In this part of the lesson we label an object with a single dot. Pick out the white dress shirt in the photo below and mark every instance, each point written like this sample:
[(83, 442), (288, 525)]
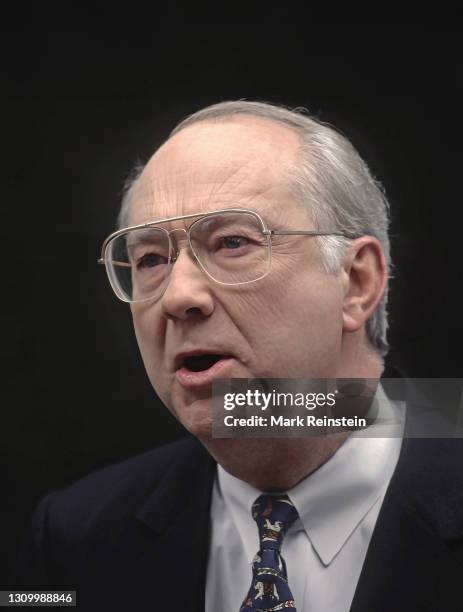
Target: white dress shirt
[(324, 550)]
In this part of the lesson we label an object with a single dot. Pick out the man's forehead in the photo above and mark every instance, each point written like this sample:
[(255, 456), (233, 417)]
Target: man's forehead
[(215, 166), (240, 139)]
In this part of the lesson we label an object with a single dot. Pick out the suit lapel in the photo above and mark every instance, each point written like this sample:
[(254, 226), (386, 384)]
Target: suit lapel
[(410, 564), (177, 514), (403, 565)]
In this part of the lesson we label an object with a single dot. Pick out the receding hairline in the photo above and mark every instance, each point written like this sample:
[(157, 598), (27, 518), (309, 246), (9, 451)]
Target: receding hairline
[(236, 118), (287, 163), (291, 121), (232, 118), (296, 118)]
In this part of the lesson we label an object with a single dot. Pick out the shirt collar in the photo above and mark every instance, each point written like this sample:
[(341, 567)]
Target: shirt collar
[(333, 500)]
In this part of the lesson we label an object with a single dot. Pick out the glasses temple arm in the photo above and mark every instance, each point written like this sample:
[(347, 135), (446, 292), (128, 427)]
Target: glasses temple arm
[(123, 264), (306, 233)]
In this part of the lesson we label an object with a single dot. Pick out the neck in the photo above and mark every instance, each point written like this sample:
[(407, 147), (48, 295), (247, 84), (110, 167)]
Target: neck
[(273, 464)]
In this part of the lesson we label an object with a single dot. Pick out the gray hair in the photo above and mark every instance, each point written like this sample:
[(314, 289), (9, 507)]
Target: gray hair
[(330, 178)]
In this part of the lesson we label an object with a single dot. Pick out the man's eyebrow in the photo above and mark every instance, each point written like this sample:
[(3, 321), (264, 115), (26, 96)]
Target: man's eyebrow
[(145, 237), (217, 221)]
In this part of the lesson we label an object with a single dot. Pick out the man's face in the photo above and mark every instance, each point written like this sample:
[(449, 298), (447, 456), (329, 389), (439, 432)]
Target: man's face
[(287, 325)]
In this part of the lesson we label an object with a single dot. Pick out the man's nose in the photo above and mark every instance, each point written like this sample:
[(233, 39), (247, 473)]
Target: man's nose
[(188, 292)]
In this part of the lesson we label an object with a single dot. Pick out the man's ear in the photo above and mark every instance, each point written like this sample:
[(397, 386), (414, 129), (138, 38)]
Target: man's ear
[(365, 279)]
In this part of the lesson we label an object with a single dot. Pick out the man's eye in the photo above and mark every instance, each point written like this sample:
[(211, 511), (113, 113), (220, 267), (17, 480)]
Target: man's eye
[(234, 242), (150, 260)]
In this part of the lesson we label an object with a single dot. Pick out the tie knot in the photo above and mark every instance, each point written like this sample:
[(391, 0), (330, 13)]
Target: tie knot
[(274, 515)]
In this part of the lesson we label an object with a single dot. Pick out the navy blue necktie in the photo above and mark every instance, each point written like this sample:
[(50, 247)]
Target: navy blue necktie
[(274, 515)]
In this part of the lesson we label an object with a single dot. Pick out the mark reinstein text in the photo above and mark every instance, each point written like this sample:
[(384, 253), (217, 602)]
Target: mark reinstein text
[(298, 421)]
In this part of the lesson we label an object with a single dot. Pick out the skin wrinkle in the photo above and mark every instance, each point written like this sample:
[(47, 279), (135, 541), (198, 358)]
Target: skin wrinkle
[(229, 201), (250, 165), (289, 324), (216, 190)]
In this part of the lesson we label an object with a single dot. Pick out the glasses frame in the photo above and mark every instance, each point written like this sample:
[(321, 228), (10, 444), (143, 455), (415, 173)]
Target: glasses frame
[(266, 231)]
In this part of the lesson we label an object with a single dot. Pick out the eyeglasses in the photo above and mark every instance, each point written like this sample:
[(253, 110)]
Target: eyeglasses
[(232, 246)]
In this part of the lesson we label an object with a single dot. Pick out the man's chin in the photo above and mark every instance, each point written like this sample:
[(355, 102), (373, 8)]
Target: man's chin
[(196, 417)]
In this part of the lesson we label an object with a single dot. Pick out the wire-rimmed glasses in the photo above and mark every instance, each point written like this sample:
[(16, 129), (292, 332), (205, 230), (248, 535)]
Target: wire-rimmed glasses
[(232, 246)]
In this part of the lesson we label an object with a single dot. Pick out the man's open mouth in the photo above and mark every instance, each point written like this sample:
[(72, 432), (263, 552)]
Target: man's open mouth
[(200, 368), (199, 363)]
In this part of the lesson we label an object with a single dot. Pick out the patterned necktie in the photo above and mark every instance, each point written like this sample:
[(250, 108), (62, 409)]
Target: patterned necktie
[(269, 590)]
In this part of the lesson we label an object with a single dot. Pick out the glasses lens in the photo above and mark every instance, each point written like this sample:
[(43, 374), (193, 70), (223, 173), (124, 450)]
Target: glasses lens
[(138, 263), (231, 247)]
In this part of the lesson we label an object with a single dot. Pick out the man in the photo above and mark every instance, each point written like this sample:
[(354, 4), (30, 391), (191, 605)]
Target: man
[(372, 523)]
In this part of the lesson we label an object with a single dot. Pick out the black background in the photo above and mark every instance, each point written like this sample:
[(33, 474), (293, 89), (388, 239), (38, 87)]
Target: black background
[(79, 109)]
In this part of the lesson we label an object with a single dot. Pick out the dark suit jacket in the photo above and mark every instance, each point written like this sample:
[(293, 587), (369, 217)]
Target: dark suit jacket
[(134, 536)]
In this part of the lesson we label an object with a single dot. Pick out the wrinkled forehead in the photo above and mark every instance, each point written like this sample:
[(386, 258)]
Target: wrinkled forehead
[(212, 167)]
